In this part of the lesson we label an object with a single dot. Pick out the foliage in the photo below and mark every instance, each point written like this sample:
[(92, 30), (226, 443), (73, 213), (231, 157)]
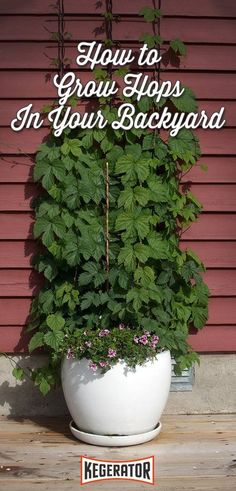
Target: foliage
[(150, 283)]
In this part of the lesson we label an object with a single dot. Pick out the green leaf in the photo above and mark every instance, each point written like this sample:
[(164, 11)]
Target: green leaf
[(141, 252), (186, 102), (36, 341), (150, 14), (144, 276), (18, 373), (199, 315), (184, 146), (44, 387), (178, 46), (54, 339), (55, 321), (127, 257)]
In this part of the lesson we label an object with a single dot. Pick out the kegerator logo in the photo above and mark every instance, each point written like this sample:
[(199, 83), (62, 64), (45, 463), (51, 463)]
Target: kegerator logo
[(141, 470)]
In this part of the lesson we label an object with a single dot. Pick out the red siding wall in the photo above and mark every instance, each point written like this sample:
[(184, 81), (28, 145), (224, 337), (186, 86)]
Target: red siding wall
[(209, 29)]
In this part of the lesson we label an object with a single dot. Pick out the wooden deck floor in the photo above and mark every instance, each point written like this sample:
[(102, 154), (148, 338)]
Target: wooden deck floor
[(193, 453)]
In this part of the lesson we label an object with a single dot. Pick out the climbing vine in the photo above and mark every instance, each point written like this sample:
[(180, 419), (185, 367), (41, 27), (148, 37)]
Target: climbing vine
[(110, 218)]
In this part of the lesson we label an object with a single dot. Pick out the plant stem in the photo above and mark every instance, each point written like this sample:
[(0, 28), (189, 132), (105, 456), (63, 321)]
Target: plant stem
[(107, 223)]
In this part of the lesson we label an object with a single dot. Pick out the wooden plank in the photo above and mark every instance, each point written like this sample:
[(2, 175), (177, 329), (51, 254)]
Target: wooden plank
[(14, 311), (222, 311), (206, 85), (207, 8), (213, 339), (221, 282), (217, 254), (13, 339), (24, 282), (45, 7), (213, 254), (23, 142), (212, 142), (17, 197), (214, 197), (40, 56), (220, 170), (191, 453), (164, 484), (16, 225), (9, 108), (34, 28), (17, 254), (19, 282), (212, 227), (213, 86), (213, 106), (16, 169)]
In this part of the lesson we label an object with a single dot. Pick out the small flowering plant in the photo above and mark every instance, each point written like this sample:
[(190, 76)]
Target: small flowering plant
[(105, 347)]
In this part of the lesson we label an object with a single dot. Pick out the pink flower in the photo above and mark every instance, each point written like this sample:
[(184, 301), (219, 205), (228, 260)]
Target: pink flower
[(154, 341), (103, 364), (70, 354), (88, 344), (104, 332), (93, 366), (147, 333), (136, 339), (111, 353), (121, 326), (143, 339)]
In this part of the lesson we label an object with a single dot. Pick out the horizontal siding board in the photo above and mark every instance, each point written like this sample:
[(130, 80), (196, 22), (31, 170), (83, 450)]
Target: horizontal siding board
[(213, 254), (195, 30), (206, 85), (212, 142), (17, 254), (14, 339), (16, 311), (205, 8), (10, 107), (40, 56), (211, 339), (17, 197), (18, 168), (24, 282), (222, 311), (19, 282), (212, 227), (219, 170), (50, 7), (20, 142), (18, 226), (214, 339), (221, 282), (214, 197)]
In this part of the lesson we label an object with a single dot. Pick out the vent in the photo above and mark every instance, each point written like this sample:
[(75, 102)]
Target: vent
[(183, 382)]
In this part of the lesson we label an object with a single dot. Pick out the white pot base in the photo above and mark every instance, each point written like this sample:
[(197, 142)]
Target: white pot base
[(116, 440)]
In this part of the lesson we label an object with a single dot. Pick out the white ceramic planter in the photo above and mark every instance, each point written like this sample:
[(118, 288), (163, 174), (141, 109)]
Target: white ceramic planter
[(122, 401)]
